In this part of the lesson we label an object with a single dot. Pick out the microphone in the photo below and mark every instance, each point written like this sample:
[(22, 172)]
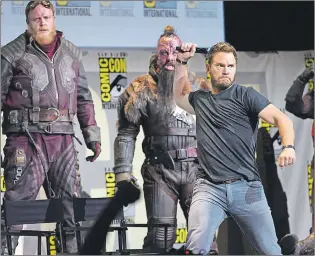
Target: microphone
[(198, 50)]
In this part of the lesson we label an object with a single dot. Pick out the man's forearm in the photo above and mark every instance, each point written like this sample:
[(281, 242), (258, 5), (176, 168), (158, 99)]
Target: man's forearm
[(181, 73), (286, 130)]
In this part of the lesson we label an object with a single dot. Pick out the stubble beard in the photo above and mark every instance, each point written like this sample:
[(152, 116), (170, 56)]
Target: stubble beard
[(221, 86)]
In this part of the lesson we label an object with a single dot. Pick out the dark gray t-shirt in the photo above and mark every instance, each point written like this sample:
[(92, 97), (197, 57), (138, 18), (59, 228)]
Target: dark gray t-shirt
[(227, 131)]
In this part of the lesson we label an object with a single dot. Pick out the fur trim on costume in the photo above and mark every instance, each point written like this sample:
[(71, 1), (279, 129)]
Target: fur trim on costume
[(142, 90)]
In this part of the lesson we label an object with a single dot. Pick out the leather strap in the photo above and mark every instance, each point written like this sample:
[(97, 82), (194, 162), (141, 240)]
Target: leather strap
[(35, 102), (162, 183), (227, 181), (71, 102), (169, 131), (53, 115), (48, 128), (43, 115), (181, 61), (288, 146), (183, 153)]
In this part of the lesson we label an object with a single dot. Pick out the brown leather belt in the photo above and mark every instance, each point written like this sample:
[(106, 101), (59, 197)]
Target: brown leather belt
[(183, 153), (52, 115), (45, 115), (228, 181), (48, 128), (170, 131)]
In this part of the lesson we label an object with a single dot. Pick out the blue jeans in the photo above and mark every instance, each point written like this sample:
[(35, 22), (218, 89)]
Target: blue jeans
[(242, 200)]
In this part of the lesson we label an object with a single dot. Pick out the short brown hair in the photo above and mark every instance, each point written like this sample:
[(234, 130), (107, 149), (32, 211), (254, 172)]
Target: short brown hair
[(32, 4), (221, 47)]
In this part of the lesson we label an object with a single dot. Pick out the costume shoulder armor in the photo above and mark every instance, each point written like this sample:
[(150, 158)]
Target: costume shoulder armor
[(14, 49), (72, 48), (137, 94)]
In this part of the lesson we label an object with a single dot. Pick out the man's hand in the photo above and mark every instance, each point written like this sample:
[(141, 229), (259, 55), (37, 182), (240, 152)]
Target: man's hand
[(124, 177), (189, 51), (286, 157), (96, 148)]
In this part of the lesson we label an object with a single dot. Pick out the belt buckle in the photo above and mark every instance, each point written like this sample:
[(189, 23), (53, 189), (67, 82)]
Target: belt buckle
[(191, 152), (13, 117), (181, 154), (48, 128), (36, 109), (57, 114), (231, 181)]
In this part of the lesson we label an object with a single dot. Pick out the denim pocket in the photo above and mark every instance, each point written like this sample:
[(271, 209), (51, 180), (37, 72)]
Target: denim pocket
[(254, 184)]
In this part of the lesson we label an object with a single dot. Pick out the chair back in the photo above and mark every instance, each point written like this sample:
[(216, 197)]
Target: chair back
[(89, 209), (33, 211)]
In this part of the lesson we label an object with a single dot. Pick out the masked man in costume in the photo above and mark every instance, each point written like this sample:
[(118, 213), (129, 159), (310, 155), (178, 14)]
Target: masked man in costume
[(43, 86), (169, 144), (302, 106)]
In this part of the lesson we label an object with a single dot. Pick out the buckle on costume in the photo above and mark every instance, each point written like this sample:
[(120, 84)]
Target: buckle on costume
[(13, 117), (48, 128), (181, 154), (57, 114), (191, 152)]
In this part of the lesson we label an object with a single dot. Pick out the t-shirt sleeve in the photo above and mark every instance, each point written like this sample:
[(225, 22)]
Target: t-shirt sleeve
[(254, 101), (191, 98)]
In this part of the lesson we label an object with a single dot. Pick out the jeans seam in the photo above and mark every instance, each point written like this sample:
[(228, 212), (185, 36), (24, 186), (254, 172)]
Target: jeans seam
[(248, 237), (228, 195)]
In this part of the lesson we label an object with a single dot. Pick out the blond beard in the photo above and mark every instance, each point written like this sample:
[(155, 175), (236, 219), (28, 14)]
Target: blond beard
[(44, 39)]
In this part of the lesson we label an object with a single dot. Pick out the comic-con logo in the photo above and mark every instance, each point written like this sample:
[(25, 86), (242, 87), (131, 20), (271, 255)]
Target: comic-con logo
[(310, 181), (52, 245), (113, 77), (202, 9), (73, 8), (116, 8), (208, 73), (18, 7), (309, 62), (157, 9), (181, 235), (110, 184), (266, 125), (2, 184)]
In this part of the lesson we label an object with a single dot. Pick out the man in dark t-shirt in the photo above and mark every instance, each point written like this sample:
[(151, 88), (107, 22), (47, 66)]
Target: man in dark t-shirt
[(228, 182), (230, 134)]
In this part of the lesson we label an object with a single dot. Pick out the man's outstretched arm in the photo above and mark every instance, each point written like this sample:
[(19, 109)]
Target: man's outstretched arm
[(273, 115), (181, 86)]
